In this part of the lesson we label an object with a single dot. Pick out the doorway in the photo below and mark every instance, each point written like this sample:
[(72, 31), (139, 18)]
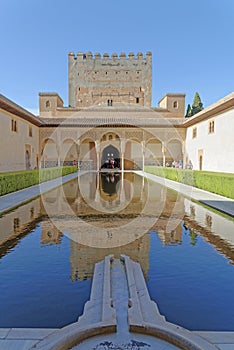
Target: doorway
[(110, 158)]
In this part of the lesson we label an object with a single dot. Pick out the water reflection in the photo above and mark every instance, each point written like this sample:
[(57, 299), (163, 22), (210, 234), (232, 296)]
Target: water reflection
[(113, 213)]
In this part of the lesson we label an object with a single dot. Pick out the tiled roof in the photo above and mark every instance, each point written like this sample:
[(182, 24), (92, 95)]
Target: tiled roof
[(115, 117), (15, 109), (113, 121)]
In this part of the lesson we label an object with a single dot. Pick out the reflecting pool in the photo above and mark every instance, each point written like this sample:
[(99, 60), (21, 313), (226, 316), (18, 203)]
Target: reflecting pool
[(49, 246)]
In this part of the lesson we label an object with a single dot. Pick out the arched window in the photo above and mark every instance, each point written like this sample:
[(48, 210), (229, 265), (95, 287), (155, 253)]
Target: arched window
[(211, 126), (48, 104), (175, 104)]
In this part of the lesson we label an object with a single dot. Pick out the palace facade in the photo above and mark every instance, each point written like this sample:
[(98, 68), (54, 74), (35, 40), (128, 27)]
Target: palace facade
[(110, 117)]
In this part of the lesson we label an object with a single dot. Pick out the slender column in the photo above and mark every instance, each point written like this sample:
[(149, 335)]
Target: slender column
[(142, 187), (122, 150), (164, 153), (58, 147), (97, 148), (97, 193), (184, 155), (143, 154)]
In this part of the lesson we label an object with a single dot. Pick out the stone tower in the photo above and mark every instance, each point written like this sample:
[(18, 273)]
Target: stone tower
[(109, 81)]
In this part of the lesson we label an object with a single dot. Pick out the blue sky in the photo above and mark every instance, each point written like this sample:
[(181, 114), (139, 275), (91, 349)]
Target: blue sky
[(192, 44)]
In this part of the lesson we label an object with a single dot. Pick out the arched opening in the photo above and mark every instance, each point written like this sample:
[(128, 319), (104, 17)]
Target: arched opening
[(110, 158), (68, 152), (49, 154), (88, 155), (133, 157), (174, 152), (153, 152), (109, 184)]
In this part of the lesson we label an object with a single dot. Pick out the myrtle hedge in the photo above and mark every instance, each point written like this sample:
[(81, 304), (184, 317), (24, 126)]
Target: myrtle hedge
[(219, 183), (14, 181)]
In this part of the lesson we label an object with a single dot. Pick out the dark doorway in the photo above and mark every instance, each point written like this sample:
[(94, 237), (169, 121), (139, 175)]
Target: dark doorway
[(27, 160), (110, 158), (200, 163), (110, 183)]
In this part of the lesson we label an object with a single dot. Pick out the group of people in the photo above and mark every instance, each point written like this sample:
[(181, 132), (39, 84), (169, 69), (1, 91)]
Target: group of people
[(110, 163), (175, 164), (179, 165)]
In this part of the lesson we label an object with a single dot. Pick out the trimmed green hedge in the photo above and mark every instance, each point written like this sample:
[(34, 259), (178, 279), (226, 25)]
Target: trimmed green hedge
[(14, 181), (219, 183)]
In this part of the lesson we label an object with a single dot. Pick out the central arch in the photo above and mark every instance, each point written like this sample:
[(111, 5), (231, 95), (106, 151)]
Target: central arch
[(110, 157)]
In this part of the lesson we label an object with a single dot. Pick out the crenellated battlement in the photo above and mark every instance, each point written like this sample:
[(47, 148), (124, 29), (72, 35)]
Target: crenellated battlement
[(96, 79), (114, 56)]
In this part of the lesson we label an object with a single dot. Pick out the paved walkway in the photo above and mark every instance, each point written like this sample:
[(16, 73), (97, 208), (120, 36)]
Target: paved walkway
[(14, 199), (220, 203)]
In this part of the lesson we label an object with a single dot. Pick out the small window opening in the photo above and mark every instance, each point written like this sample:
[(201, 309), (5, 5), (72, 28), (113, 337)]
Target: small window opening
[(47, 104), (137, 99), (211, 127), (13, 125), (30, 131), (194, 133), (175, 104), (109, 102), (16, 223)]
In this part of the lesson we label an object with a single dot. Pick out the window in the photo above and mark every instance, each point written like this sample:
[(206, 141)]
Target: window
[(194, 133), (211, 127), (175, 104), (14, 125), (48, 104), (109, 102), (110, 137), (137, 99), (30, 131), (32, 213), (16, 223)]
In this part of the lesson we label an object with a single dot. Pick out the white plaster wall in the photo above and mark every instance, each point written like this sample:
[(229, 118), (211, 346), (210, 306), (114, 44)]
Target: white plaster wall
[(219, 225), (12, 150), (218, 147)]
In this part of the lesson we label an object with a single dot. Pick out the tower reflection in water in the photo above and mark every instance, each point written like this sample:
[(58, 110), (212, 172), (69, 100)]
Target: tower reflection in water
[(112, 213)]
